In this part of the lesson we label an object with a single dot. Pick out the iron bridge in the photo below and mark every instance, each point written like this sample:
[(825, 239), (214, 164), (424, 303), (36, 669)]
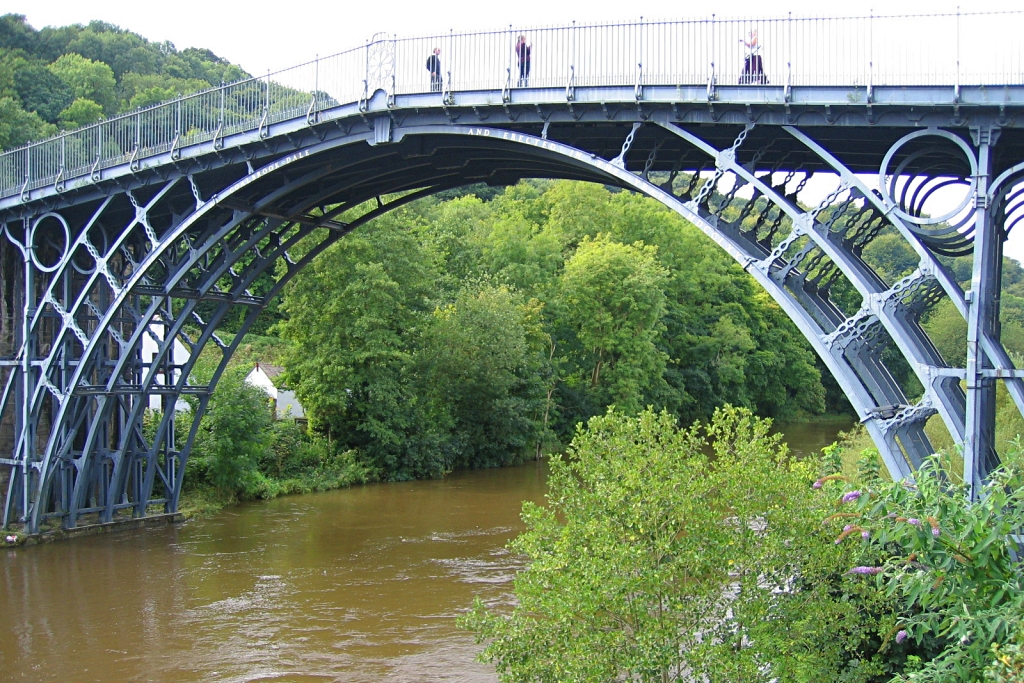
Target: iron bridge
[(841, 130)]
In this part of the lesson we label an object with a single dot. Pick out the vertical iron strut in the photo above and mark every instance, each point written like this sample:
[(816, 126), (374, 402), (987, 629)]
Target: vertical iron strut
[(982, 321)]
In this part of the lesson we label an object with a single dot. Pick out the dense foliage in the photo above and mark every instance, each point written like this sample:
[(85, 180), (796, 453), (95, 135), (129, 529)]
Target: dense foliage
[(954, 564), (62, 78), (707, 554), (472, 333), (675, 555), (242, 452)]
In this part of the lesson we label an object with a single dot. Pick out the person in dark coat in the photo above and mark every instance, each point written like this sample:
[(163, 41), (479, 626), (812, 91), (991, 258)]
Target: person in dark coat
[(434, 67), (523, 55), (753, 66)]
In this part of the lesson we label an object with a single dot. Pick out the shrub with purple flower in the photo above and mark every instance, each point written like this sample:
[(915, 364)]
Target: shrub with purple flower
[(866, 570), (851, 496), (963, 589)]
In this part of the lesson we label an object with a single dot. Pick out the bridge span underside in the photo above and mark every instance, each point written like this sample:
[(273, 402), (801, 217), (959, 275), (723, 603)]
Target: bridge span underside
[(163, 249)]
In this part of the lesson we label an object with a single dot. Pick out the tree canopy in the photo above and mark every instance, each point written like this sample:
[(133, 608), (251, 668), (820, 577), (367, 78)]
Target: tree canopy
[(460, 332), (65, 77)]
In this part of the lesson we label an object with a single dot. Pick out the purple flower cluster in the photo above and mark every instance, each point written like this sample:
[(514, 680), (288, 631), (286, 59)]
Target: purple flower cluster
[(866, 570), (851, 496), (901, 636), (914, 520)]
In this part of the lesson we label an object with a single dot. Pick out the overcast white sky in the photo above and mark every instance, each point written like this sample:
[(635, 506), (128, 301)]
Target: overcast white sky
[(262, 36)]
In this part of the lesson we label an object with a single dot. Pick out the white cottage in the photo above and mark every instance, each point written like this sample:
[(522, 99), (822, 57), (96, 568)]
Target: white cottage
[(266, 377), (179, 357)]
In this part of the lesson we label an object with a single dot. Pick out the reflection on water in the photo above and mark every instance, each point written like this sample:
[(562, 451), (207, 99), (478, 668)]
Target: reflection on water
[(362, 584), (807, 438)]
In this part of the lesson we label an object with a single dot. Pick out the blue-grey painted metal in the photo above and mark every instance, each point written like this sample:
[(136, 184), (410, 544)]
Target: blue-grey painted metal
[(124, 238)]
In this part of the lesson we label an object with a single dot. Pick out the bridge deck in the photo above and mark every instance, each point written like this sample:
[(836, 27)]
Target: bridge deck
[(857, 131)]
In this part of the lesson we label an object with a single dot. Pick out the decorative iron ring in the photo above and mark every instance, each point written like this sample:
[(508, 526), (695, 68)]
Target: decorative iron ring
[(32, 240), (919, 220)]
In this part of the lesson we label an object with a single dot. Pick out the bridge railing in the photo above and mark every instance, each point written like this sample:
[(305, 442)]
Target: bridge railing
[(943, 49)]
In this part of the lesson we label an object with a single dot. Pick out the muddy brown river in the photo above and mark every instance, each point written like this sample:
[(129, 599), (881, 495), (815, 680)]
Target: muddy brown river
[(362, 584)]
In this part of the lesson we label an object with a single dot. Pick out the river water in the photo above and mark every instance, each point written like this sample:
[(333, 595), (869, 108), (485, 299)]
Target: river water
[(362, 584)]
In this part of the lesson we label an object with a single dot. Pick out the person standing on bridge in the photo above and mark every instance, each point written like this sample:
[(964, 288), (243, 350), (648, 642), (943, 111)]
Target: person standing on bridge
[(434, 67), (523, 56), (753, 66)]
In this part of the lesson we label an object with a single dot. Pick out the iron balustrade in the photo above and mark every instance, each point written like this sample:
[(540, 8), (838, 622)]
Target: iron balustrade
[(861, 52)]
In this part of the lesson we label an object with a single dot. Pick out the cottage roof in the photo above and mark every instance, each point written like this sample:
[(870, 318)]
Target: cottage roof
[(271, 371)]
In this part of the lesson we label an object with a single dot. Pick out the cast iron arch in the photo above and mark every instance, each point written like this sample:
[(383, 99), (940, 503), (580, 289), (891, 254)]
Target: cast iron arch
[(195, 238)]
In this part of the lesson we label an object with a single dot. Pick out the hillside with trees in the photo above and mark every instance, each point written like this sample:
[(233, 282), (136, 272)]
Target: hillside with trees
[(55, 79)]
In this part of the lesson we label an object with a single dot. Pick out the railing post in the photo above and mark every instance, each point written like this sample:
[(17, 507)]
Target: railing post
[(447, 96), (711, 77), (95, 174), (175, 153), (638, 88), (394, 67), (956, 87), (28, 389), (28, 173), (134, 163), (788, 93), (506, 92), (263, 129), (570, 86), (58, 183), (871, 55), (218, 142), (311, 113)]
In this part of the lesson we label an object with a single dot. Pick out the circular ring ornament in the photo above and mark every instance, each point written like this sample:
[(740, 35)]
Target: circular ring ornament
[(32, 247), (898, 209), (380, 62)]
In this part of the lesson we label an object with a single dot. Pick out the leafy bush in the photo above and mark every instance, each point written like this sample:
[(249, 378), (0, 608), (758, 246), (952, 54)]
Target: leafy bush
[(686, 555), (241, 452), (953, 563), (1008, 664), (233, 438)]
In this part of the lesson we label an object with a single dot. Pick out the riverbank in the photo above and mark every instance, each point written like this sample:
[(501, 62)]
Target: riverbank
[(342, 471)]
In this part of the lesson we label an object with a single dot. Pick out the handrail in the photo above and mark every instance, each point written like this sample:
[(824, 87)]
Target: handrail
[(867, 52)]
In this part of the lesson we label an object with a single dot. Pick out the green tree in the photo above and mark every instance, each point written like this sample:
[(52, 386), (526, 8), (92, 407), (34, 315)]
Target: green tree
[(15, 32), (355, 317), (41, 91), (143, 90), (18, 127), (613, 299), (953, 562), (655, 562), (88, 79), (80, 113), (481, 363), (234, 437)]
